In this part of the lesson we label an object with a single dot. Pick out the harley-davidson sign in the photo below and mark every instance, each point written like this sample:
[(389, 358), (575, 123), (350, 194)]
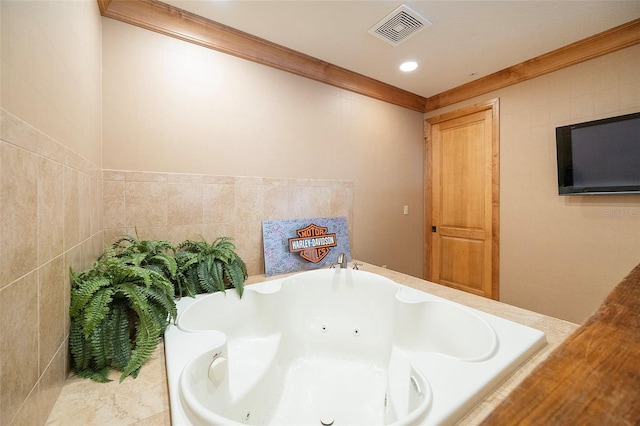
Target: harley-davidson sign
[(302, 244), (313, 243)]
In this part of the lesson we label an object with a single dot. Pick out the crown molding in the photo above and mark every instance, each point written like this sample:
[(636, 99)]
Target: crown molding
[(174, 22), (609, 41), (165, 19)]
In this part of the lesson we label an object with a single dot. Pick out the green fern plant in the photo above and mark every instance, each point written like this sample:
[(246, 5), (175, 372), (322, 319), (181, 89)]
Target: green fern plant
[(208, 267), (119, 310)]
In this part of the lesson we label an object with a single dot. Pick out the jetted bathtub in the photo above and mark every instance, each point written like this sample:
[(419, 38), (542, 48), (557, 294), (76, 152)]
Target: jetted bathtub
[(336, 346)]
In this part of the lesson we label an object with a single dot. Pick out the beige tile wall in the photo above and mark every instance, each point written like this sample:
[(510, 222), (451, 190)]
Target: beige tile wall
[(50, 190), (178, 206), (50, 220)]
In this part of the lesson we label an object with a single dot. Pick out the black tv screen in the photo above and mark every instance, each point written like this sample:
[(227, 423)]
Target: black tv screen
[(599, 157)]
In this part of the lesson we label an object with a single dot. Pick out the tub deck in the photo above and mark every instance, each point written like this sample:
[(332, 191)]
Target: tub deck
[(144, 401)]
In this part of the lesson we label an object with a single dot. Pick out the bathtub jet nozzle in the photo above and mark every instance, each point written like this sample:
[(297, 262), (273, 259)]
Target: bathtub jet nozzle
[(217, 369), (326, 421)]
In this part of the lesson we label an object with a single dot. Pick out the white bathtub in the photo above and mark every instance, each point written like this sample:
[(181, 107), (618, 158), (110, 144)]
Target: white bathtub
[(336, 346)]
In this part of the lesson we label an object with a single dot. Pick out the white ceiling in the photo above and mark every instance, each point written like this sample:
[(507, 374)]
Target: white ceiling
[(479, 37)]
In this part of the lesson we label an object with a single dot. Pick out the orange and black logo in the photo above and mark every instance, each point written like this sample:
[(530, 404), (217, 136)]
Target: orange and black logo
[(313, 243)]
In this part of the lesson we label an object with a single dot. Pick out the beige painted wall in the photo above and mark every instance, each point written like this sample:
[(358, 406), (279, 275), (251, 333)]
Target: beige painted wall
[(561, 255), (174, 107), (51, 73), (50, 191)]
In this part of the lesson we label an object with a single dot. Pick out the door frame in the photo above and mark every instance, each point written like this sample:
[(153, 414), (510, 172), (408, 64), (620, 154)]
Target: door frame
[(494, 106)]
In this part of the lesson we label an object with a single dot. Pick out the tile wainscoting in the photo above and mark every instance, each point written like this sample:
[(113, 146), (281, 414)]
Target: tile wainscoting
[(177, 207), (50, 221)]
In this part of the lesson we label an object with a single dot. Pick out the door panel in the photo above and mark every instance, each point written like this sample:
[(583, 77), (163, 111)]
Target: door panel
[(461, 263), (462, 177)]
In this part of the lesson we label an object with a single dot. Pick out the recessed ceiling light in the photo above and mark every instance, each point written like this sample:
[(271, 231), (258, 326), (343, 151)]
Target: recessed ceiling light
[(408, 66)]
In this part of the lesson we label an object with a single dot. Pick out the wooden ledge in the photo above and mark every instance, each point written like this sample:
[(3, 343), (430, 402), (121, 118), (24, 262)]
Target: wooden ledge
[(593, 377)]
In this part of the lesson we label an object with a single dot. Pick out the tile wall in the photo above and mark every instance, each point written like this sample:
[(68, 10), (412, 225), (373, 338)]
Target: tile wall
[(50, 220), (177, 206)]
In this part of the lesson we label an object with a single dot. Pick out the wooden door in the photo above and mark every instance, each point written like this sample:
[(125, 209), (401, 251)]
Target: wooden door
[(464, 200)]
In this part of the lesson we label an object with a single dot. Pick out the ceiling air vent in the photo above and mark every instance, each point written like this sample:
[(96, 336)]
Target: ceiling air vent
[(400, 25)]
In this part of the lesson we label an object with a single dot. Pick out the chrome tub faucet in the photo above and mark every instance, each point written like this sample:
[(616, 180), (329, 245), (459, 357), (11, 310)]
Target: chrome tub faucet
[(342, 260)]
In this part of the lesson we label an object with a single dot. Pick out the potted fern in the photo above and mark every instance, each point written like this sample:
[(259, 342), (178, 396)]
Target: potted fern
[(120, 308), (208, 267)]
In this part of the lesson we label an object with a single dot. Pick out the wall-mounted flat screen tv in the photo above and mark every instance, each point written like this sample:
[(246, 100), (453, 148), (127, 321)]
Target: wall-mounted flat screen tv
[(599, 157)]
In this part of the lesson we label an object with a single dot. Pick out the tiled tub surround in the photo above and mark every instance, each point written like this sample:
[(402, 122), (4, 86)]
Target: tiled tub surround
[(50, 220), (144, 401), (177, 207)]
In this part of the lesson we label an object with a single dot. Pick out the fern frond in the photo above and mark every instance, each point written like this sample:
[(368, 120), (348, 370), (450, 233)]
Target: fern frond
[(147, 337), (82, 290), (79, 347), (101, 376), (225, 250), (205, 280), (124, 239), (185, 260), (243, 266), (99, 342), (164, 300), (217, 276), (155, 268), (135, 296), (109, 253), (120, 349), (165, 261), (136, 259), (191, 283), (190, 246), (160, 317), (140, 273), (235, 276), (97, 310), (160, 282)]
